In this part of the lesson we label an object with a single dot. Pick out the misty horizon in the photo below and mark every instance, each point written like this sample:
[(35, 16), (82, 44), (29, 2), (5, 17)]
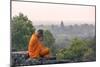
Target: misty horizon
[(59, 22)]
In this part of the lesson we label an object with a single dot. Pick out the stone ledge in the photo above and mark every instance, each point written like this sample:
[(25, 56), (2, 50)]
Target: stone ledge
[(21, 59)]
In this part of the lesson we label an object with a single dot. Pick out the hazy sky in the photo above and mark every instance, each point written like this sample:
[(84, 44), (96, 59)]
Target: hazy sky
[(41, 13)]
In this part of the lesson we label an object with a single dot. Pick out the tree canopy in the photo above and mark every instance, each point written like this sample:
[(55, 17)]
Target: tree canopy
[(80, 50), (21, 30)]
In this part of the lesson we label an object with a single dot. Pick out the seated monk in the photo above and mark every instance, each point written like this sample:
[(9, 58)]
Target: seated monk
[(36, 48)]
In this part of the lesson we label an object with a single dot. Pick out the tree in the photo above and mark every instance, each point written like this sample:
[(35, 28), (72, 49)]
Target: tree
[(49, 40), (21, 30), (80, 50), (90, 55)]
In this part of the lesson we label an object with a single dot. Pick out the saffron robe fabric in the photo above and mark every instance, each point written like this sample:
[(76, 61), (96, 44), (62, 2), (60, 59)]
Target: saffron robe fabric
[(36, 49)]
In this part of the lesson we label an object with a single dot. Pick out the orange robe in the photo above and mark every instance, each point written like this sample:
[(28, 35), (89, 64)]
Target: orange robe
[(36, 49)]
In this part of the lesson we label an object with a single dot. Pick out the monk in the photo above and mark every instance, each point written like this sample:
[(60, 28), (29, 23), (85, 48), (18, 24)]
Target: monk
[(36, 49)]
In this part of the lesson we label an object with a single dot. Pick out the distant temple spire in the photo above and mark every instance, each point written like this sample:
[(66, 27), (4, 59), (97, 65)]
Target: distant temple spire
[(62, 24)]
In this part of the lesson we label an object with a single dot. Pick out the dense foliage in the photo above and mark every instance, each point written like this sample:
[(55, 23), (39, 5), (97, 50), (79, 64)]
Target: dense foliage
[(21, 31), (80, 50)]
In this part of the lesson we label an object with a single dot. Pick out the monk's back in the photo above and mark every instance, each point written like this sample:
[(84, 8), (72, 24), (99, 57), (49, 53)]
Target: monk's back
[(32, 47)]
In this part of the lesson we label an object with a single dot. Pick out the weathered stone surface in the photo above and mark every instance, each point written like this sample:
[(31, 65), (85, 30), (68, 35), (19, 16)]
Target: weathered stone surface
[(21, 59)]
